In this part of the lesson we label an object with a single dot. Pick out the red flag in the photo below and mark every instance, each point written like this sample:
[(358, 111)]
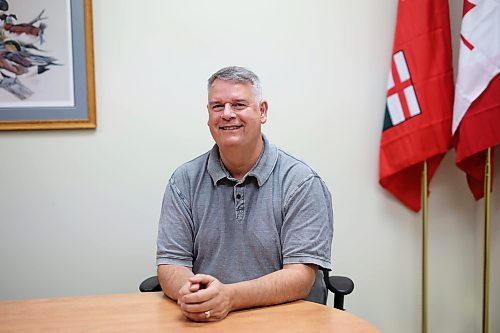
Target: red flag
[(417, 124), (476, 111)]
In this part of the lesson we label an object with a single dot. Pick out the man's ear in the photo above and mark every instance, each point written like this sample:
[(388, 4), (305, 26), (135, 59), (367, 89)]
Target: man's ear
[(208, 110), (263, 111)]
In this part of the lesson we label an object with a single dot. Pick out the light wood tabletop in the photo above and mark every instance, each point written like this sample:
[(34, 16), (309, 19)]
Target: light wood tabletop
[(153, 312)]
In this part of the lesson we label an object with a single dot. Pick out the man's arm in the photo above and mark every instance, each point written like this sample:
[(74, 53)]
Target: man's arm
[(292, 282), (172, 278)]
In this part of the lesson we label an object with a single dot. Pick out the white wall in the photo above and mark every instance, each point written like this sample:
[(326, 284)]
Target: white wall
[(79, 209)]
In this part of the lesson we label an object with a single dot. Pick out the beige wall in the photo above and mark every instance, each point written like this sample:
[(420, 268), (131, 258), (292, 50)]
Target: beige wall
[(79, 209)]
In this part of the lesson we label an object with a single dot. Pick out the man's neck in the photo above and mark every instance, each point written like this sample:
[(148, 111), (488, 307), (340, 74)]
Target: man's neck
[(239, 161)]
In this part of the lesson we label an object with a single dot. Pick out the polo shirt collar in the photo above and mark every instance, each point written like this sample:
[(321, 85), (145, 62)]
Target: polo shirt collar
[(261, 170)]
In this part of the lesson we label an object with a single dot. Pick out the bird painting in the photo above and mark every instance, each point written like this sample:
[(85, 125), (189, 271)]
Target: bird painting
[(20, 51)]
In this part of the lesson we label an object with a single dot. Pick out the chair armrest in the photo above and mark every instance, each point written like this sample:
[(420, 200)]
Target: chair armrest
[(150, 284), (340, 286)]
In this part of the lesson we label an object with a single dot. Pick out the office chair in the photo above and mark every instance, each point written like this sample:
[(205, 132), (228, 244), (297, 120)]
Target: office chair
[(340, 286)]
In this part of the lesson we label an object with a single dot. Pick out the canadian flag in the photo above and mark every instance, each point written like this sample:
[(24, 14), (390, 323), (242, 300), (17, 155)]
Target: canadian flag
[(476, 109)]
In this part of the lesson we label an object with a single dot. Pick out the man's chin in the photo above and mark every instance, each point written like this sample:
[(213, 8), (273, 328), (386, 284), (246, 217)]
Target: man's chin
[(229, 142)]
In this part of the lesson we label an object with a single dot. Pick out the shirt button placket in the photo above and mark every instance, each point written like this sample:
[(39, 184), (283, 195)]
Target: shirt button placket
[(239, 202)]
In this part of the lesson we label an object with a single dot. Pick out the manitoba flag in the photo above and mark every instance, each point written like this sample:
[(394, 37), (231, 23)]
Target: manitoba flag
[(417, 124), (476, 111)]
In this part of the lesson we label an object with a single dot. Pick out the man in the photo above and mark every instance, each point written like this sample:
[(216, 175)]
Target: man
[(244, 224)]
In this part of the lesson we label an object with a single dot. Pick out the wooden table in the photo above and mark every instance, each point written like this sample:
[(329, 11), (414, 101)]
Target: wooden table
[(153, 312)]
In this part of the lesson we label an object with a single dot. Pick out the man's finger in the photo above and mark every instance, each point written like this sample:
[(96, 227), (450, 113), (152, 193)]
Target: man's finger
[(203, 295), (194, 287), (201, 279), (199, 316), (199, 307), (189, 287)]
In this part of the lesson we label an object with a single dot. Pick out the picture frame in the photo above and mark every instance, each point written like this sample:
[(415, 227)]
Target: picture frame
[(62, 96)]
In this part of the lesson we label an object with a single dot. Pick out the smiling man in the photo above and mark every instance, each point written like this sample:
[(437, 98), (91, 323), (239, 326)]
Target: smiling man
[(244, 224)]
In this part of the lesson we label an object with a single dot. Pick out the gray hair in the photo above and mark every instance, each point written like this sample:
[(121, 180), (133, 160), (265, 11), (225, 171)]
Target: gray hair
[(239, 75)]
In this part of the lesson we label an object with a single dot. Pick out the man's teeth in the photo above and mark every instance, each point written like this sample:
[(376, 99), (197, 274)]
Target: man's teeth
[(230, 127)]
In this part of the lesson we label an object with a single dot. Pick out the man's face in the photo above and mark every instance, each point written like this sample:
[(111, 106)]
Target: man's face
[(234, 115)]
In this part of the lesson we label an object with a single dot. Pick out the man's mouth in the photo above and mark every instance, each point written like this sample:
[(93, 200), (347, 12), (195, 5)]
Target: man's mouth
[(230, 128)]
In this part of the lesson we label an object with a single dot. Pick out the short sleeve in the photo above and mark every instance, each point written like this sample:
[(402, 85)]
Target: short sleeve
[(175, 229), (307, 229)]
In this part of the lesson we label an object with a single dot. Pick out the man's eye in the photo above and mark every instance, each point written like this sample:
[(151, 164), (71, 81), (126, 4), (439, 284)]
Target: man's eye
[(239, 106), (217, 108)]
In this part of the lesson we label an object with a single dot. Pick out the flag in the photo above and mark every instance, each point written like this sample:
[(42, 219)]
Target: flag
[(417, 123), (476, 111)]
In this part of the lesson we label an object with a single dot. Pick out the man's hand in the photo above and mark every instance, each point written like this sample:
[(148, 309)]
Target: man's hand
[(204, 298)]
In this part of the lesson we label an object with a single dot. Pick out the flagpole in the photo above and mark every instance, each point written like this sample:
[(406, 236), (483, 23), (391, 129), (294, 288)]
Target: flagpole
[(486, 257), (424, 247)]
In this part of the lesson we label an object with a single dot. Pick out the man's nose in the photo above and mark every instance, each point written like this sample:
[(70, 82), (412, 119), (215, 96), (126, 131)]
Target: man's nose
[(228, 111)]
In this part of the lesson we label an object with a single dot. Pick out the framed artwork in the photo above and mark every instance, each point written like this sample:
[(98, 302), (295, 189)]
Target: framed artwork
[(46, 65)]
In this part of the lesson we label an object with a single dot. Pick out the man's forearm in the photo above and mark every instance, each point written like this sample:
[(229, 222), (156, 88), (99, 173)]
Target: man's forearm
[(291, 283), (172, 278)]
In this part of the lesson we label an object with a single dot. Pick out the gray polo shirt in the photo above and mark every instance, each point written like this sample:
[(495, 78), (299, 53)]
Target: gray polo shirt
[(237, 230)]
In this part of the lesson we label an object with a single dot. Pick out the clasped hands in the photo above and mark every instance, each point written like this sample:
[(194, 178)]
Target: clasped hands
[(203, 298)]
